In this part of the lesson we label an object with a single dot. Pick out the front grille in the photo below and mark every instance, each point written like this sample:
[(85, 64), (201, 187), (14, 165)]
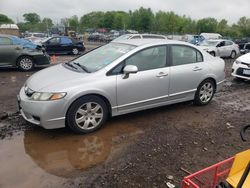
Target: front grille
[(240, 72), (247, 64)]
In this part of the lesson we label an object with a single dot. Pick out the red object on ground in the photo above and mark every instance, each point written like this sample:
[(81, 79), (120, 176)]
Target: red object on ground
[(210, 176)]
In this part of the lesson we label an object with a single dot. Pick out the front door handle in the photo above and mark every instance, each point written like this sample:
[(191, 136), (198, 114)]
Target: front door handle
[(197, 68), (162, 74)]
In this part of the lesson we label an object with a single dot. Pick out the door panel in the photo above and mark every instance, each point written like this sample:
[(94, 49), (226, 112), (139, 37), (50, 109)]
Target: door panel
[(184, 79), (53, 45), (149, 86), (186, 72), (9, 54), (142, 89)]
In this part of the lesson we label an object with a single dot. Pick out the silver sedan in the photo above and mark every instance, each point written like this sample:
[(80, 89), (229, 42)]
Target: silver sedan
[(119, 78)]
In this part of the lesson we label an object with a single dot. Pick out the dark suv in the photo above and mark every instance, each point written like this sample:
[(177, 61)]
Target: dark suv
[(63, 45), (17, 52)]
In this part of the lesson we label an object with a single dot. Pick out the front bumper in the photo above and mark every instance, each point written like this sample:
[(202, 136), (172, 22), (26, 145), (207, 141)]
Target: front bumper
[(47, 114), (237, 71), (42, 59)]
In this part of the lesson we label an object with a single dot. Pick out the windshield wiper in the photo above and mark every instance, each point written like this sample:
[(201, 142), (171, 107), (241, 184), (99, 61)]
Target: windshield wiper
[(82, 67), (70, 65)]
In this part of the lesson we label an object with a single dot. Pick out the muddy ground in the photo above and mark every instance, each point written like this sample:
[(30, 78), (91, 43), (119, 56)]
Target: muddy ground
[(143, 149)]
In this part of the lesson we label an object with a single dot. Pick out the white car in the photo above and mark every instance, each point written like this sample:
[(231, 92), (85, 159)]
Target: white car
[(241, 67), (221, 48)]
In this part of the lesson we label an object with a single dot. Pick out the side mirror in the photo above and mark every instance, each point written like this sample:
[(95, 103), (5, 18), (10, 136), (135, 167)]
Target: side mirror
[(130, 69)]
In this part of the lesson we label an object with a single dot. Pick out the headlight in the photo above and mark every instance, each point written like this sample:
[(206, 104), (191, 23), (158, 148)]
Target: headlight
[(237, 62), (43, 96)]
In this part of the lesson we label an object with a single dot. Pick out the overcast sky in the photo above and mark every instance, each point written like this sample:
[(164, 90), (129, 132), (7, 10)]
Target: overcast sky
[(231, 10)]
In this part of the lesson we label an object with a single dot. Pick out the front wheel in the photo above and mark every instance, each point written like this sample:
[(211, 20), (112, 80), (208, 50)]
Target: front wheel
[(75, 51), (205, 92), (87, 114), (25, 63)]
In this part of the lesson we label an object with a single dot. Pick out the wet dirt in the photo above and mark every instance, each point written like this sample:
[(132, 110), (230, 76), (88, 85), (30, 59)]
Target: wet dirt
[(136, 150)]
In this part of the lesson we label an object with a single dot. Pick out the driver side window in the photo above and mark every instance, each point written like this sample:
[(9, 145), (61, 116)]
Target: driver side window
[(151, 58), (221, 44), (55, 40)]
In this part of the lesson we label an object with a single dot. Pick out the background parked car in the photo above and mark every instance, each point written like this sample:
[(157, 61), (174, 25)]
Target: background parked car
[(241, 67), (140, 36), (197, 39), (246, 48), (221, 48), (35, 37), (16, 52), (241, 42), (63, 45)]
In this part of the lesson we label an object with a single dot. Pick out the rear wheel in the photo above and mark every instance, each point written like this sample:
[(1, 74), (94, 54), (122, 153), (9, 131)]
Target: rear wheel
[(205, 92), (233, 55), (223, 185), (87, 114), (25, 63)]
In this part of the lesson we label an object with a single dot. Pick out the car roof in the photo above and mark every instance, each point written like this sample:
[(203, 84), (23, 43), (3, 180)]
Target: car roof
[(4, 35), (141, 42)]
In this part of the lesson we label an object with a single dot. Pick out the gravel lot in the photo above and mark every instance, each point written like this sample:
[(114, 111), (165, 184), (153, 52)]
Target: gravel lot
[(143, 149)]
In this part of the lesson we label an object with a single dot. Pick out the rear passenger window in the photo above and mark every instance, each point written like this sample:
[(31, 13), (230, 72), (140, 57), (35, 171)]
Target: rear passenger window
[(5, 41), (182, 55)]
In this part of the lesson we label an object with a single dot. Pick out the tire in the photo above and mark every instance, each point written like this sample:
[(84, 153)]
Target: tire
[(224, 184), (213, 54), (75, 51), (90, 111), (233, 55), (25, 63), (205, 92)]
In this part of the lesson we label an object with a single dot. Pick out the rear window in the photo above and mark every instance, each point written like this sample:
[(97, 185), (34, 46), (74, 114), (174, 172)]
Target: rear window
[(153, 37)]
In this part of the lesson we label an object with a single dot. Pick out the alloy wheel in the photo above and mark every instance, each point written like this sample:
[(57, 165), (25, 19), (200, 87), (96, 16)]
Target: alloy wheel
[(206, 92), (89, 115), (75, 51), (26, 63)]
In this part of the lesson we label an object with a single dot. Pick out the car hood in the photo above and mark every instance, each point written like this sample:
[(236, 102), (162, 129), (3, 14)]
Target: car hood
[(244, 58), (50, 78), (207, 48)]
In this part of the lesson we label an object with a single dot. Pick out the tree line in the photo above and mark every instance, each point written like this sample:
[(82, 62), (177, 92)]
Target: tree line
[(142, 20)]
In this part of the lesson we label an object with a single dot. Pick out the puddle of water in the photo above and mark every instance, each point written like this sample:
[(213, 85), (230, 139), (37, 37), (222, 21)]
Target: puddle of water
[(43, 158), (13, 78)]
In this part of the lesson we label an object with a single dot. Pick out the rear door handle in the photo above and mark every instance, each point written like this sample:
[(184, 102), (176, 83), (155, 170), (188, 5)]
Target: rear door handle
[(197, 68), (162, 74)]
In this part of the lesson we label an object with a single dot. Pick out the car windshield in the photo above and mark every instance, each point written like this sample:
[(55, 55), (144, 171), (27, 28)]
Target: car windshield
[(208, 43), (103, 56)]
